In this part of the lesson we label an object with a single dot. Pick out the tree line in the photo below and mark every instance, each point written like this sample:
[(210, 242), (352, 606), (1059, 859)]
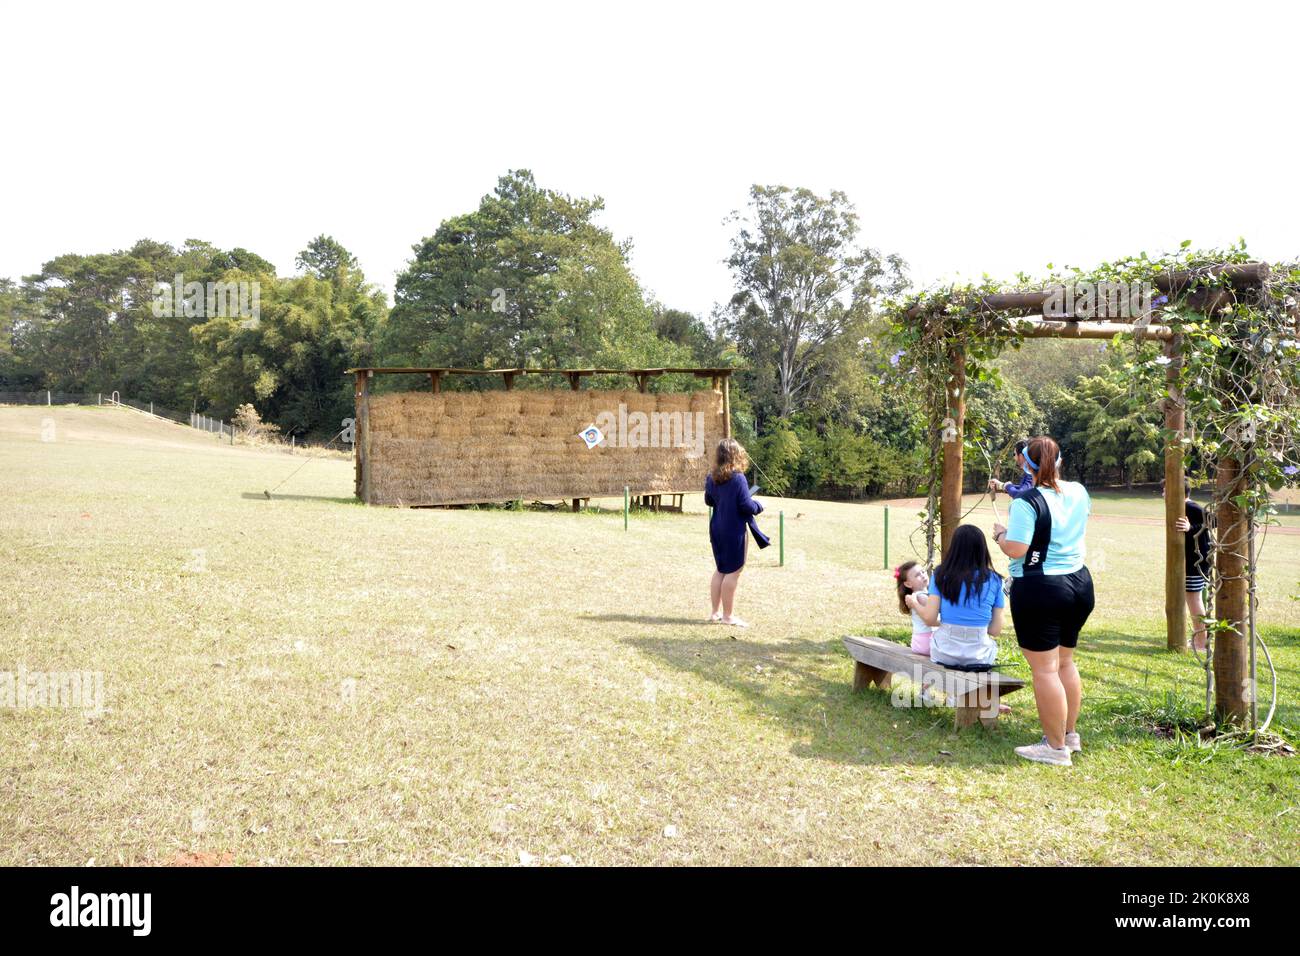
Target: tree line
[(529, 278)]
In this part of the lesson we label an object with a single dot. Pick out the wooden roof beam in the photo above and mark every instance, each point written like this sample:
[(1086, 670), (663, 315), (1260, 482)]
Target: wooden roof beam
[(1240, 276), (1037, 327), (568, 372)]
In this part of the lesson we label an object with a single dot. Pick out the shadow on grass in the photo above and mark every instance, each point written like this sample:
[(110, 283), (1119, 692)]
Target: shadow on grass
[(806, 687)]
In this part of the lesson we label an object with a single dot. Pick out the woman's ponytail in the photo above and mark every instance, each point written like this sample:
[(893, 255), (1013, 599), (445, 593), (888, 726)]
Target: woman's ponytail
[(1044, 458)]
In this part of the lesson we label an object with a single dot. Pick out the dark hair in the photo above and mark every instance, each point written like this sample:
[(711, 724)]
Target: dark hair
[(1042, 454), (1021, 446), (967, 565), (903, 590), (1187, 486), (729, 459)]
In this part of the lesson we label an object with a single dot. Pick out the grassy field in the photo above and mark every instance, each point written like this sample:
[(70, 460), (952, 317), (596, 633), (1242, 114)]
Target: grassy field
[(306, 680)]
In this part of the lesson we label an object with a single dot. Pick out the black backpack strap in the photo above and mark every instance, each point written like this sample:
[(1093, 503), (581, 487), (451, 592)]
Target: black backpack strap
[(1037, 552)]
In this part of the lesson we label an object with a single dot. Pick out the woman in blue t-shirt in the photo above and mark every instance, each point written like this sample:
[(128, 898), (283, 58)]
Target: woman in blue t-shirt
[(968, 612), (1051, 594)]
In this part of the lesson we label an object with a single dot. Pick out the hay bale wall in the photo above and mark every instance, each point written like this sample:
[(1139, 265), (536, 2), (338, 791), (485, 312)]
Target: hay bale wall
[(466, 447)]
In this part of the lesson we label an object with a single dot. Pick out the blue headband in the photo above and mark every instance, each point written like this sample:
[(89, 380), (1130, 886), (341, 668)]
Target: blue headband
[(1034, 468)]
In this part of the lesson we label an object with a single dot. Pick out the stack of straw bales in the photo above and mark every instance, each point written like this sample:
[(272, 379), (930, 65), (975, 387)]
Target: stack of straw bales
[(464, 447)]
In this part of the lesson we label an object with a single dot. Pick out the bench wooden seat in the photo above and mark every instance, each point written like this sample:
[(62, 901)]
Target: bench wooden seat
[(975, 695)]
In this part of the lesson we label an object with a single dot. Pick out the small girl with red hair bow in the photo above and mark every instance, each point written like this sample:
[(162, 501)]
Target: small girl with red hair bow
[(912, 578)]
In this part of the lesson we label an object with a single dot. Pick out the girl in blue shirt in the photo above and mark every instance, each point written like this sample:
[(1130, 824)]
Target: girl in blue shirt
[(968, 609)]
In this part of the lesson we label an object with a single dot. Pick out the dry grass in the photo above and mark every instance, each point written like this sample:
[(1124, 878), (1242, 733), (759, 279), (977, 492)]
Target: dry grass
[(339, 684)]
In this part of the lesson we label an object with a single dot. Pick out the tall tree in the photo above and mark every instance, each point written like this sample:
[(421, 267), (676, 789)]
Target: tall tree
[(804, 292), (1107, 424), (290, 363), (526, 279), (326, 259), (685, 329), (17, 359)]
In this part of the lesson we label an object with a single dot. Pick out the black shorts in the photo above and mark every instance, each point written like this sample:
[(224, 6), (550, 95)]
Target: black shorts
[(1049, 610)]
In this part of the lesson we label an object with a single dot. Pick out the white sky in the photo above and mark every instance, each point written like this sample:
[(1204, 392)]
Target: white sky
[(972, 138)]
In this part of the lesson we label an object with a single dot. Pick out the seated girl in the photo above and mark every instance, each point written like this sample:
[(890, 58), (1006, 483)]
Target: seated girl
[(966, 606), (911, 579)]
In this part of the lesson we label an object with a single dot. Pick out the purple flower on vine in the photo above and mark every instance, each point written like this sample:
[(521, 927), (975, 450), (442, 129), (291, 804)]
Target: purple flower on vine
[(1159, 300), (1291, 470), (893, 359)]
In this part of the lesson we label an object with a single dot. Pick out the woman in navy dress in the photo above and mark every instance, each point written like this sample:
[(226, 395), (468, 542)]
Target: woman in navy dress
[(727, 492)]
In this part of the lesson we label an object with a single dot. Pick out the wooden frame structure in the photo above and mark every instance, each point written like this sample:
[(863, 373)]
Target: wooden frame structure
[(720, 377), (1231, 670)]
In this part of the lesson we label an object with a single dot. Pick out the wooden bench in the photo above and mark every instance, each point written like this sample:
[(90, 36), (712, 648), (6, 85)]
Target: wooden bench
[(975, 695)]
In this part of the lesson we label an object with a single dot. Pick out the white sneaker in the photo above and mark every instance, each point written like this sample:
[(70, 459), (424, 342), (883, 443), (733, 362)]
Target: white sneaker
[(1073, 743), (1043, 752)]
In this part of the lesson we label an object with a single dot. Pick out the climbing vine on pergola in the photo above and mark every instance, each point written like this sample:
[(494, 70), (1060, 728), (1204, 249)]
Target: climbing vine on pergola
[(1229, 364)]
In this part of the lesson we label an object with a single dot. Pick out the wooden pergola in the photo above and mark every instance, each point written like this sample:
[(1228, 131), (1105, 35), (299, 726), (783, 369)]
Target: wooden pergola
[(1025, 310)]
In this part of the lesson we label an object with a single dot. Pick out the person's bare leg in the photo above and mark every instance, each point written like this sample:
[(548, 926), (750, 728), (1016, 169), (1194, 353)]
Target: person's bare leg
[(1049, 695), (1196, 611), (1073, 686), (729, 585), (715, 596)]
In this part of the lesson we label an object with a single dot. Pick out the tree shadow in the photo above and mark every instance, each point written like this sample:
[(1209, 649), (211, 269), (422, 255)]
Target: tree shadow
[(807, 686)]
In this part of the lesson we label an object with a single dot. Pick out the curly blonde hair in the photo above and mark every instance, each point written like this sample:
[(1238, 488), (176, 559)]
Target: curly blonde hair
[(729, 459)]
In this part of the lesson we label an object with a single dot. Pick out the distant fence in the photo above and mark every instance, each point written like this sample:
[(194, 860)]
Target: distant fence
[(221, 429), (48, 398)]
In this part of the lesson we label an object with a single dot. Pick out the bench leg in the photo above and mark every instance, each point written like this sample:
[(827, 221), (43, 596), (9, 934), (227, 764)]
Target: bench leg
[(865, 675), (976, 708)]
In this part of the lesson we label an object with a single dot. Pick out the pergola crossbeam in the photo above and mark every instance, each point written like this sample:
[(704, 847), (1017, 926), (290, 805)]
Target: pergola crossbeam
[(1037, 327)]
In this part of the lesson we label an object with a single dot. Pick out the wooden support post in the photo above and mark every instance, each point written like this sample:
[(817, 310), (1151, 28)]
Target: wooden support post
[(435, 381), (864, 675), (726, 406), (1175, 555), (362, 436), (574, 379), (953, 429), (642, 381), (976, 707), (510, 380), (1231, 678)]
